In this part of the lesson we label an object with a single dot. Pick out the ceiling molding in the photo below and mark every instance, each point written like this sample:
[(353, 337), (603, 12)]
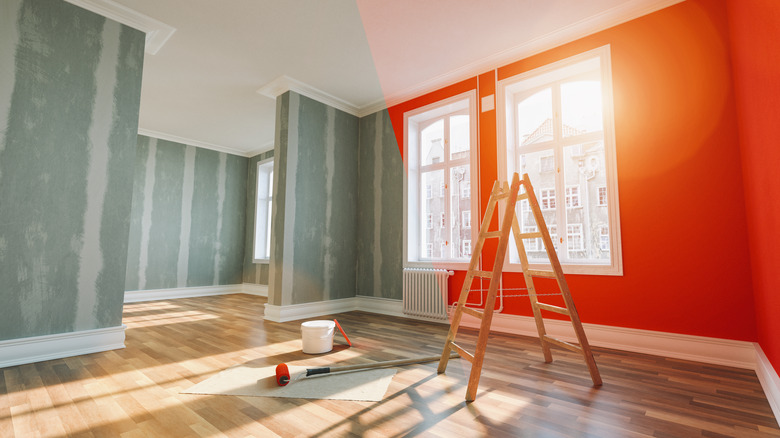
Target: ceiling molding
[(196, 143), (157, 32), (625, 12), (265, 148), (283, 84), (371, 108)]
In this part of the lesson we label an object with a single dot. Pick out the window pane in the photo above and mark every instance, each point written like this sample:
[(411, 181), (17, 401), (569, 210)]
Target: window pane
[(534, 118), (459, 137), (432, 143), (544, 187), (433, 208), (581, 107), (584, 175), (460, 203)]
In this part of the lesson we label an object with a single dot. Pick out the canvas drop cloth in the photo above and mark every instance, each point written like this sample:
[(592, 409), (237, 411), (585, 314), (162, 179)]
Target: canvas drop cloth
[(367, 385)]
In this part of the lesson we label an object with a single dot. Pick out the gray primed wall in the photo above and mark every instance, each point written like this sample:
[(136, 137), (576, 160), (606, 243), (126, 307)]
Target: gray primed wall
[(187, 222), (380, 209), (70, 84), (315, 208), (256, 273)]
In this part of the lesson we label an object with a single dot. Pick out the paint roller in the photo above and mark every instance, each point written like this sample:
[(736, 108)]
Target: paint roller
[(284, 376)]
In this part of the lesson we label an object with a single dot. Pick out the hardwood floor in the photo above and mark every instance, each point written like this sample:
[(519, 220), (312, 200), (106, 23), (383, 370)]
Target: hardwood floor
[(172, 345)]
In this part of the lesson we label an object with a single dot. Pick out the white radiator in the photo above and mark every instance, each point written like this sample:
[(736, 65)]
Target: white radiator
[(425, 292)]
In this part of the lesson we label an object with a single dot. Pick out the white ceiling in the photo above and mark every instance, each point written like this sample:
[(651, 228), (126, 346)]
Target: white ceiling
[(201, 86)]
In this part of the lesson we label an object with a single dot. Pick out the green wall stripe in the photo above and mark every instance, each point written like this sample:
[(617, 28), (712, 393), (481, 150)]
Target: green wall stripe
[(165, 219), (146, 213), (221, 176), (9, 37), (291, 179), (377, 186), (188, 182)]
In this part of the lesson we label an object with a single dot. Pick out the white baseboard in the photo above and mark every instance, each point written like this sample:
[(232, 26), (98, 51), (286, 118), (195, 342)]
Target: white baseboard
[(260, 290), (726, 352), (295, 312), (769, 379), (39, 348), (135, 296)]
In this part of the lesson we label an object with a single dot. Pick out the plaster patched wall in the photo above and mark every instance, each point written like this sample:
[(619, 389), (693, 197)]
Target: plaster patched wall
[(188, 220), (70, 84)]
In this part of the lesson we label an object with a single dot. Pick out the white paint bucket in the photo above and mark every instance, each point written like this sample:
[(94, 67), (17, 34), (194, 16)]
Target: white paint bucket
[(317, 336)]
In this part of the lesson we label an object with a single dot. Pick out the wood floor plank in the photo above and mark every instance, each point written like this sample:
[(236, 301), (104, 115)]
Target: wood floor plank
[(172, 345)]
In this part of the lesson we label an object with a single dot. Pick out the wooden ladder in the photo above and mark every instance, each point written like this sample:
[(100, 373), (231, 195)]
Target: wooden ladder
[(509, 222)]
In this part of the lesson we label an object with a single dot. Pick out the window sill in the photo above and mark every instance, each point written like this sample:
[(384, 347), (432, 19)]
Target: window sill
[(261, 261)]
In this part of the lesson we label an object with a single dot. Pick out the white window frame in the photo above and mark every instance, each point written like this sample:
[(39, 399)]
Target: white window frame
[(546, 199), (263, 210), (505, 92), (414, 121), (602, 199), (573, 194)]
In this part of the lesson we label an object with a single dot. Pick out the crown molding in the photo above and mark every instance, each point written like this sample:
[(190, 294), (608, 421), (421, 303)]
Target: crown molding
[(157, 32), (196, 143), (283, 84), (626, 11), (264, 148)]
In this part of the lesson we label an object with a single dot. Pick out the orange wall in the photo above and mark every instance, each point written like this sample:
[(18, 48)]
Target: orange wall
[(685, 252), (755, 36)]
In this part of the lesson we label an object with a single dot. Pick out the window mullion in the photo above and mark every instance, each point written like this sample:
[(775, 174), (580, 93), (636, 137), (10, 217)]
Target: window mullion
[(447, 200), (560, 186)]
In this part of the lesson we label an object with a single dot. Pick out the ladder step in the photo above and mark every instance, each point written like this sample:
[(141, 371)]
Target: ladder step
[(563, 344), (501, 195), (491, 234), (521, 196), (551, 308), (538, 273), (485, 274), (463, 353), (473, 312), (535, 235)]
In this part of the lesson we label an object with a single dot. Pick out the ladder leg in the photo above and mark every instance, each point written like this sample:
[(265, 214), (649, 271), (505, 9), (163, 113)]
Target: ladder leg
[(529, 284), (464, 292)]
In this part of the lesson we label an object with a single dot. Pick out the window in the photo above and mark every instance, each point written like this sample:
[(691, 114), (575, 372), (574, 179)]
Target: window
[(603, 196), (429, 222), (546, 164), (439, 152), (265, 191), (467, 247), (572, 196), (574, 237), (603, 238), (547, 201), (556, 125)]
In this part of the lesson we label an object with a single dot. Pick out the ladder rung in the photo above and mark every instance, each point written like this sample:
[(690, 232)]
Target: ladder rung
[(492, 234), (521, 196), (463, 353), (501, 195), (473, 312), (485, 274), (535, 235), (564, 344), (538, 273), (551, 308)]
